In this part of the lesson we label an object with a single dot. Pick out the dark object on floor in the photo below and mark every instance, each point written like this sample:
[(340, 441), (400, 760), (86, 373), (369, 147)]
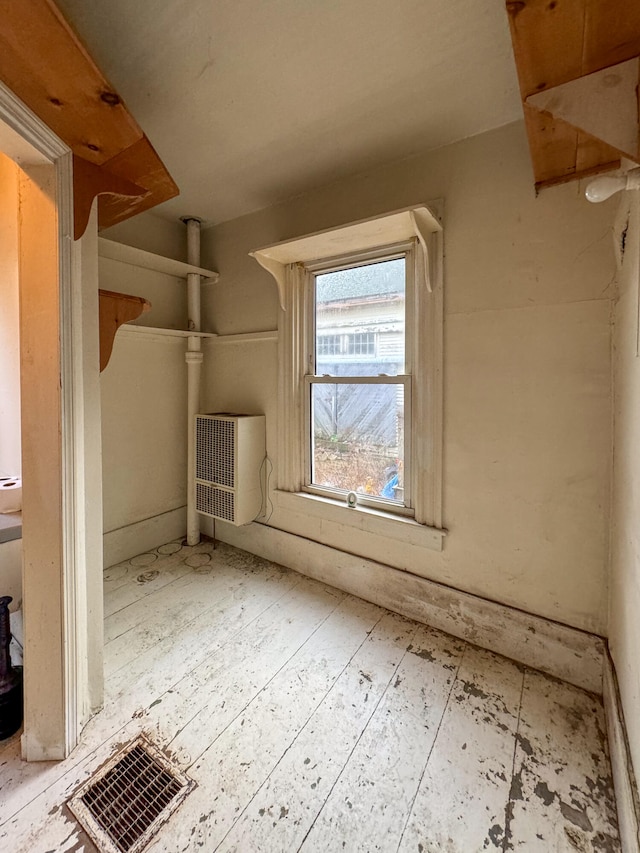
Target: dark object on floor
[(10, 678)]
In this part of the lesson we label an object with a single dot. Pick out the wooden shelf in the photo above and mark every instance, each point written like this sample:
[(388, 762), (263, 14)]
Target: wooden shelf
[(168, 333), (243, 337), (149, 261), (247, 337), (157, 263), (45, 64), (559, 43)]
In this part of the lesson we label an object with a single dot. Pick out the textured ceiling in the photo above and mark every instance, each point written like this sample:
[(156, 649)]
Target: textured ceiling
[(250, 102)]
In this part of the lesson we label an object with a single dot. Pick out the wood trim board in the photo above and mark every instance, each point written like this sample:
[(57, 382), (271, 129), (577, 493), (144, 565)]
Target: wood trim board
[(555, 43), (44, 63)]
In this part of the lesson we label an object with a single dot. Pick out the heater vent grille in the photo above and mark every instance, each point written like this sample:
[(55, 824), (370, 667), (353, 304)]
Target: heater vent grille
[(215, 451), (216, 502), (229, 459), (130, 798)]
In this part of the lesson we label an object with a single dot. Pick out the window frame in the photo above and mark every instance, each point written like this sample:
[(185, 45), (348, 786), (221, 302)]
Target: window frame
[(406, 250), (285, 261)]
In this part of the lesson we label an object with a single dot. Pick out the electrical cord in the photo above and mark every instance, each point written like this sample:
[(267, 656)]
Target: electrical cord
[(266, 500)]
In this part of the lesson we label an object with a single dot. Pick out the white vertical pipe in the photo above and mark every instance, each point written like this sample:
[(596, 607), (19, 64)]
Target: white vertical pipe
[(193, 280), (194, 366), (193, 357)]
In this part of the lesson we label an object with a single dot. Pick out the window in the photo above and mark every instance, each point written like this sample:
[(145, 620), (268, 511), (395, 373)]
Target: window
[(361, 343), (360, 370), (356, 401), (328, 344), (354, 344)]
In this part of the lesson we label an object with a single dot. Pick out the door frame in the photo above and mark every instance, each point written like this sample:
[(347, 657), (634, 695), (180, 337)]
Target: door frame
[(63, 668)]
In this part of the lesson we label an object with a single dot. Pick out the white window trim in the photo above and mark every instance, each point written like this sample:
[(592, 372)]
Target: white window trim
[(286, 262)]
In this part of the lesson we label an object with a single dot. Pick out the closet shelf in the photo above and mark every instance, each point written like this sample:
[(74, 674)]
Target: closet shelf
[(149, 261), (247, 337), (156, 330), (244, 337)]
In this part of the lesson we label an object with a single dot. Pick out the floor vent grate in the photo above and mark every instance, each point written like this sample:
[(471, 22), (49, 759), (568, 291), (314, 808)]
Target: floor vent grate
[(125, 804)]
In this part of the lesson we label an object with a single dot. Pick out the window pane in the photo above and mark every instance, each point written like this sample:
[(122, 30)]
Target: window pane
[(360, 320), (358, 438), (329, 344)]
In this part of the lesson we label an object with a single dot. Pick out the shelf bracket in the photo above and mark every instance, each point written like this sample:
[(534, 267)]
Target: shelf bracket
[(116, 309), (91, 181), (277, 270), (603, 104)]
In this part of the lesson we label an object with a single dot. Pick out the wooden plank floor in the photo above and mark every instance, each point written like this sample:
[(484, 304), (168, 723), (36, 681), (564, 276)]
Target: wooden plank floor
[(312, 720)]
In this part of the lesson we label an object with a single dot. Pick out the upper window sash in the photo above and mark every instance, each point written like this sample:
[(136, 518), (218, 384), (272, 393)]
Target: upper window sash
[(406, 250)]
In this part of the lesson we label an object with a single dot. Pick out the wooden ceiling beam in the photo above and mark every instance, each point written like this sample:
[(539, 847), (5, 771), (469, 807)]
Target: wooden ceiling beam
[(43, 62), (612, 33), (139, 164), (46, 65), (555, 42)]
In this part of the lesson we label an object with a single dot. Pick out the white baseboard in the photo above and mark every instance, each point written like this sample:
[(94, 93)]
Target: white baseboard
[(126, 542), (564, 652), (32, 750), (623, 776)]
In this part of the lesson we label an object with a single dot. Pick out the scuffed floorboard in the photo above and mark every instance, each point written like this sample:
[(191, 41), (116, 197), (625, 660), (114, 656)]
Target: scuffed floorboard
[(312, 720)]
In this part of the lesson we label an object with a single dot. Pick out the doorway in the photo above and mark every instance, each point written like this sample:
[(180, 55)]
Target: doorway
[(61, 530)]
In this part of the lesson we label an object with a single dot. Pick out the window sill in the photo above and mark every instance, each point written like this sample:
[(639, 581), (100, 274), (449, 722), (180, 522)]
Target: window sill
[(363, 518)]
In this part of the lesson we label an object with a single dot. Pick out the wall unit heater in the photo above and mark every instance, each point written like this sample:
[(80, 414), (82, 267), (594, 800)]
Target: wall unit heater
[(230, 451)]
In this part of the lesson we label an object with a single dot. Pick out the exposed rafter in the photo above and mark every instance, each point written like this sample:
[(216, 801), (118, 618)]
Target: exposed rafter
[(44, 63), (556, 42)]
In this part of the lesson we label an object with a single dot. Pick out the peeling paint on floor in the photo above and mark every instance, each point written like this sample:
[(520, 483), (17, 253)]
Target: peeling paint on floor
[(315, 721)]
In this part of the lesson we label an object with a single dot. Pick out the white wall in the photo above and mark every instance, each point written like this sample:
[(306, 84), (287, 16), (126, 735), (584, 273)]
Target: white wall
[(152, 233), (624, 616), (527, 370), (143, 401), (10, 461), (143, 430)]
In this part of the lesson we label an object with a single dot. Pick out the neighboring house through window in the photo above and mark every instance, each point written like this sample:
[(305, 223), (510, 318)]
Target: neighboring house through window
[(361, 343), (329, 345), (356, 405)]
